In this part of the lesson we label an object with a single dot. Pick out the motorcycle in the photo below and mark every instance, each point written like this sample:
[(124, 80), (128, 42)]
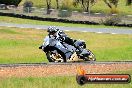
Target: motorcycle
[(58, 51)]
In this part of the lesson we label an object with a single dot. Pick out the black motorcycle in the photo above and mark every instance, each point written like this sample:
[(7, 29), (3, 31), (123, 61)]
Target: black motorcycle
[(57, 51)]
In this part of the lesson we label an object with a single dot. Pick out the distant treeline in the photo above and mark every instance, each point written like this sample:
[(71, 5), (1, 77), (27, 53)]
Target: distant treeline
[(10, 2)]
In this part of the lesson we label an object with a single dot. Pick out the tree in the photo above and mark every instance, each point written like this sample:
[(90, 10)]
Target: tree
[(112, 4), (128, 2), (10, 2), (66, 5), (27, 6), (48, 3), (65, 9), (85, 4), (57, 4)]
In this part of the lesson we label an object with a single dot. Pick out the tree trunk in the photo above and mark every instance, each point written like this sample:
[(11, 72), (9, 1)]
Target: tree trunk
[(48, 6), (108, 4), (48, 10), (57, 4), (128, 2), (87, 6)]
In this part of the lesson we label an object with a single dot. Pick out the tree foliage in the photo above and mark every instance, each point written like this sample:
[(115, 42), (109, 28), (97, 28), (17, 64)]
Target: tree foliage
[(112, 4), (66, 5), (10, 2), (85, 4), (128, 2), (27, 6)]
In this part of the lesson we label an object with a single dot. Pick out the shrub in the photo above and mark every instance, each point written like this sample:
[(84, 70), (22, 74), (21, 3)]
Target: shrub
[(27, 6), (64, 13), (65, 9), (113, 20), (114, 11), (10, 2)]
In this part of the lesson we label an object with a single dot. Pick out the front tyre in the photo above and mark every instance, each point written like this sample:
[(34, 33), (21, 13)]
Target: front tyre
[(90, 57), (54, 56), (50, 59)]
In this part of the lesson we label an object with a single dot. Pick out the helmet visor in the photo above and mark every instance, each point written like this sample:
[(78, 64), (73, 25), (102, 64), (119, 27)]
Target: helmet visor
[(52, 33)]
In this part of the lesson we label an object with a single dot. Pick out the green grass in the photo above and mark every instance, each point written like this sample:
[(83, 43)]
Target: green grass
[(8, 31), (100, 6), (21, 45), (56, 82), (27, 21), (48, 23)]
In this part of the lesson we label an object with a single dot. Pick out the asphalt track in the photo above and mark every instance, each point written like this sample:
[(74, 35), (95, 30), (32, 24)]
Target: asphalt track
[(82, 29)]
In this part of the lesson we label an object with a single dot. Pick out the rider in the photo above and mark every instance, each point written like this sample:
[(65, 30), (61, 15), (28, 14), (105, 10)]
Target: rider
[(55, 33), (59, 35)]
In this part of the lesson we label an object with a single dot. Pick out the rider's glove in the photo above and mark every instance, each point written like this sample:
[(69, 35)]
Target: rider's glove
[(40, 47)]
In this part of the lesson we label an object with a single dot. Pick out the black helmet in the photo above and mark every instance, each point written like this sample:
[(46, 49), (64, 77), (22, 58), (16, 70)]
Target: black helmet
[(52, 29)]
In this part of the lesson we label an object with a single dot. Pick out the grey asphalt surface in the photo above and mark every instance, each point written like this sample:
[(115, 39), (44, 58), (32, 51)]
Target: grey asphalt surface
[(82, 29)]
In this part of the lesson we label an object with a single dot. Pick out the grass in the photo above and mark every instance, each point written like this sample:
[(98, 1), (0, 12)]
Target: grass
[(21, 45), (27, 21), (100, 6), (56, 82), (48, 23)]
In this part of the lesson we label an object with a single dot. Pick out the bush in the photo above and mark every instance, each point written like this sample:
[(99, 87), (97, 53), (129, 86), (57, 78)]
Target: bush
[(114, 11), (66, 4), (65, 9), (64, 13), (10, 2), (27, 6), (113, 20)]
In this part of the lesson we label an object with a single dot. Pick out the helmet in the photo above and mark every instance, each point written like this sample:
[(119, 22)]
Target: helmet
[(52, 30)]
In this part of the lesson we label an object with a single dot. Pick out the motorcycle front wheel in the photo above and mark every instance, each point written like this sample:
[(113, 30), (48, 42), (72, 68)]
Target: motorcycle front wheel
[(55, 57), (90, 57)]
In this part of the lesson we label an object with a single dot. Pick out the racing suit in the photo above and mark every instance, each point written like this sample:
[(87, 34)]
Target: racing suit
[(62, 37)]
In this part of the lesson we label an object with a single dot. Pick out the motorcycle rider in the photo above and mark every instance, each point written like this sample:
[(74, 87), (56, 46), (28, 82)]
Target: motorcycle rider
[(55, 33)]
